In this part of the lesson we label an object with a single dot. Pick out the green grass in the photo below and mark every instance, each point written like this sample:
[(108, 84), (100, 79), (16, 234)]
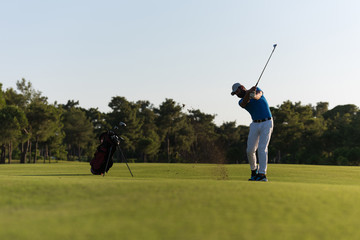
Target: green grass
[(178, 201)]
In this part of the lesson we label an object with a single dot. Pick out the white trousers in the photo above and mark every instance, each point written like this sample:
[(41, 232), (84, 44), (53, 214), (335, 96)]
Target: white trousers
[(258, 139)]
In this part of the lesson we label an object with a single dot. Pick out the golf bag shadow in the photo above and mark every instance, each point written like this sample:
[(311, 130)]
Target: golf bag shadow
[(102, 160)]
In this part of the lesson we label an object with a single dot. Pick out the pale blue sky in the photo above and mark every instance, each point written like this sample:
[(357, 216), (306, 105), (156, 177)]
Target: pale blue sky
[(190, 51)]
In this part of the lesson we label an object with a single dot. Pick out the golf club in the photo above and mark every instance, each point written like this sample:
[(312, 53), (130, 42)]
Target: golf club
[(121, 124), (266, 65)]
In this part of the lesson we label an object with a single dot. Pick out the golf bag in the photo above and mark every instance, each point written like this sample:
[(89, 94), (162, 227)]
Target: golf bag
[(102, 160)]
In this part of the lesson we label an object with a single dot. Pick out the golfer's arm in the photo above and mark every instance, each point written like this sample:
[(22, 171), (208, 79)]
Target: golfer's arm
[(245, 100)]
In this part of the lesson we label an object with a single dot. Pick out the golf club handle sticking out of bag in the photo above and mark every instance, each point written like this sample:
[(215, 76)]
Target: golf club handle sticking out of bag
[(265, 66)]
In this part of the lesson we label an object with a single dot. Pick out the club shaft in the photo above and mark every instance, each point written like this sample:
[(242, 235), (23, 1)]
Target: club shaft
[(265, 66)]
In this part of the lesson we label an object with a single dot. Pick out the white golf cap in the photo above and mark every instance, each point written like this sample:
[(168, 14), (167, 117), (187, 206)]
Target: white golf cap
[(235, 87)]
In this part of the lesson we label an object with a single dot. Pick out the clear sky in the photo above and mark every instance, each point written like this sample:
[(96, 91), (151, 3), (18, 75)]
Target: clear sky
[(190, 50)]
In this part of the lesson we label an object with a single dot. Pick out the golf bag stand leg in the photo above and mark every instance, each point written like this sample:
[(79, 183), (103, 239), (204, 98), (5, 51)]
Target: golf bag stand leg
[(107, 161), (123, 157)]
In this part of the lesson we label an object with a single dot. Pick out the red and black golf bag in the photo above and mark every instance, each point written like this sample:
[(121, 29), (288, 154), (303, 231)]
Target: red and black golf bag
[(102, 160)]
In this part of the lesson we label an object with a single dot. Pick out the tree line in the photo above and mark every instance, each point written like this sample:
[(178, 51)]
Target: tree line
[(34, 130)]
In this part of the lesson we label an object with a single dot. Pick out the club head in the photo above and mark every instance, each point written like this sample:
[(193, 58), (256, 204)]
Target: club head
[(274, 45), (122, 124)]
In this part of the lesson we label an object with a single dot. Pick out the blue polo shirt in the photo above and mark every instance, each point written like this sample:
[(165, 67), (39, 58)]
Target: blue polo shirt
[(258, 109)]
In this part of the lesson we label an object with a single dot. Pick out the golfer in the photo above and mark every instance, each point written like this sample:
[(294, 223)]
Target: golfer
[(254, 102)]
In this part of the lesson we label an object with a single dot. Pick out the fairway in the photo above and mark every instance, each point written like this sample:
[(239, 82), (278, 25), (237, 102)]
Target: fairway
[(178, 201)]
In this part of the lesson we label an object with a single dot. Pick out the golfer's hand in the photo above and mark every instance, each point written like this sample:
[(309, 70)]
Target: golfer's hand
[(252, 92)]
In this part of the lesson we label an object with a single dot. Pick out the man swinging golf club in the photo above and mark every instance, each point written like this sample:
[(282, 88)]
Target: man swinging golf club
[(254, 102)]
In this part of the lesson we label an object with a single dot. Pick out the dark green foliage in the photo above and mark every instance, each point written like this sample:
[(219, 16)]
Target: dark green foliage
[(303, 134), (44, 122), (125, 111), (79, 134), (233, 140), (13, 121), (2, 97), (204, 147), (149, 142), (174, 131)]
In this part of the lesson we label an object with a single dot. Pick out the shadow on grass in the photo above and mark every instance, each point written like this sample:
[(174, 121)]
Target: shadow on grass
[(58, 175)]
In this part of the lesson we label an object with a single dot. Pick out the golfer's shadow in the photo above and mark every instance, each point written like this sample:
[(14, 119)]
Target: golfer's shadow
[(58, 175)]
